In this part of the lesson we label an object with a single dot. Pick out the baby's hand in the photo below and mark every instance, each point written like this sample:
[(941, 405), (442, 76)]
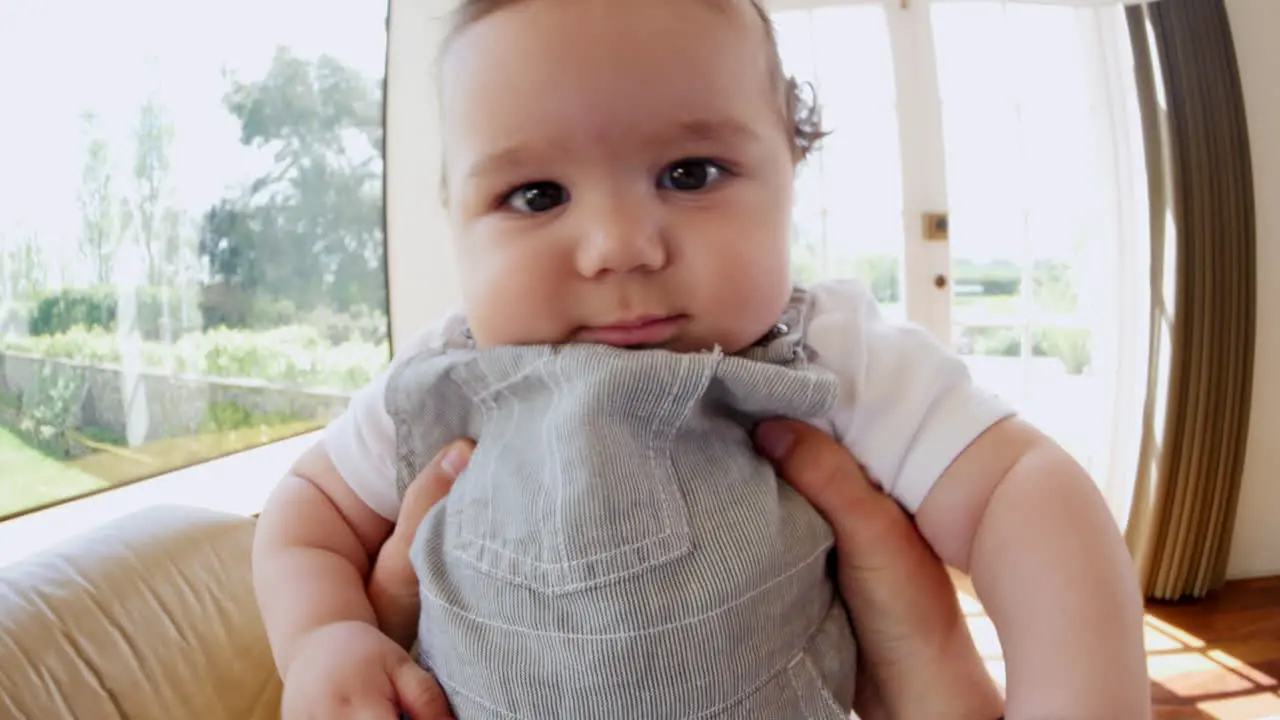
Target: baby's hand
[(350, 670)]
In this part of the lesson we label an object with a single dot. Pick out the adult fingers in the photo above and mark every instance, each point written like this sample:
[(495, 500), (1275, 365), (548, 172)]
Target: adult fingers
[(830, 478), (393, 585)]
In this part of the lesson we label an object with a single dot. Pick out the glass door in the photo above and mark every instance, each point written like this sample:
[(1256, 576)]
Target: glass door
[(848, 218), (1012, 122), (1036, 184)]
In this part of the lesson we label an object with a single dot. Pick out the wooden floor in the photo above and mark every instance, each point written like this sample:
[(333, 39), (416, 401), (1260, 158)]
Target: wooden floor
[(1217, 659)]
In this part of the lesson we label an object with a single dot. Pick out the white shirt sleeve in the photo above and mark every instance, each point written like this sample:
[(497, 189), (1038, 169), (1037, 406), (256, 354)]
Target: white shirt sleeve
[(908, 406), (361, 441)]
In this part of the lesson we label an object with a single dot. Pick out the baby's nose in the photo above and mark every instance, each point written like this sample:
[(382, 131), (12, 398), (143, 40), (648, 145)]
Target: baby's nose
[(622, 240)]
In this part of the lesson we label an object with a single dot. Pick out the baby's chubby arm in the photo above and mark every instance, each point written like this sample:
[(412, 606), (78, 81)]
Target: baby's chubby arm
[(322, 527), (1017, 513), (996, 498), (314, 547)]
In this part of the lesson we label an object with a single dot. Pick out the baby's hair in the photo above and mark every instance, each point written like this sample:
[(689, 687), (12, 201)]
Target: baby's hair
[(801, 109)]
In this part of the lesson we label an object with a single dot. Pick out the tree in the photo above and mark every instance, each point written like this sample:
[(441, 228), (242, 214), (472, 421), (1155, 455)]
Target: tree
[(882, 275), (153, 137), (99, 233), (1053, 287), (23, 270), (310, 229)]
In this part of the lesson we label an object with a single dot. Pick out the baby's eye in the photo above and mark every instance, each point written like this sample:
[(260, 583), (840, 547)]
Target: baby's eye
[(691, 175), (537, 197)]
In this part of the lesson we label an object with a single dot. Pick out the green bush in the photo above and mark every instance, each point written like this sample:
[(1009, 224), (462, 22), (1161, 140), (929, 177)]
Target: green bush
[(225, 416), (992, 278), (99, 307), (150, 316), (360, 324), (297, 356), (47, 414), (85, 307), (1070, 345), (266, 313), (224, 305), (993, 341)]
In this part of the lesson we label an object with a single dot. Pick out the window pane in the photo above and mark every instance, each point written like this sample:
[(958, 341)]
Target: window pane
[(848, 207), (191, 240), (1033, 192)]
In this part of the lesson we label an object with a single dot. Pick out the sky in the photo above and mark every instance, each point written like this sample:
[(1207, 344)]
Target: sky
[(61, 59)]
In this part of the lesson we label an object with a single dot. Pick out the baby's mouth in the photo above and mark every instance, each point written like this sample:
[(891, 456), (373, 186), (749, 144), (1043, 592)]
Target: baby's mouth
[(640, 332)]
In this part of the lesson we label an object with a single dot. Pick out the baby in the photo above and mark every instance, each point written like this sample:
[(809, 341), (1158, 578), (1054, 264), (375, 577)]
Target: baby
[(619, 178)]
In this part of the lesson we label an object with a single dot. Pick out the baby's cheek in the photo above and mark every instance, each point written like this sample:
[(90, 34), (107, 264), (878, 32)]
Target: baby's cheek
[(514, 297), (744, 292)]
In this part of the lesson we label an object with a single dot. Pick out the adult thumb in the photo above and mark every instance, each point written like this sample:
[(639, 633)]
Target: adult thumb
[(830, 478), (420, 696), (393, 585), (431, 486)]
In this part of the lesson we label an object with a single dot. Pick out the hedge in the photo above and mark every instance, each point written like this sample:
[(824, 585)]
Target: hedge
[(98, 307), (298, 356)]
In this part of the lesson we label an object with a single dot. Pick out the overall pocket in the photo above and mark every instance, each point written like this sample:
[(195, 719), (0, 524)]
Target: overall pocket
[(572, 483)]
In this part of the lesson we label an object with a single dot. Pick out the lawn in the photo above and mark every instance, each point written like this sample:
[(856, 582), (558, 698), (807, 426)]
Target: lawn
[(30, 479)]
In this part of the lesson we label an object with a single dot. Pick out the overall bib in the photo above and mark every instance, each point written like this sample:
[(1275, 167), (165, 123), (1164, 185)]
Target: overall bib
[(616, 548)]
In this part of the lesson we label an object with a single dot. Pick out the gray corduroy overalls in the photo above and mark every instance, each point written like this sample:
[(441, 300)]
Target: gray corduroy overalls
[(616, 548)]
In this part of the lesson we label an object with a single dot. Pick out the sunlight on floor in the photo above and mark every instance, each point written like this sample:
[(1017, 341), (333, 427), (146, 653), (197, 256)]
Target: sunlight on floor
[(1208, 679)]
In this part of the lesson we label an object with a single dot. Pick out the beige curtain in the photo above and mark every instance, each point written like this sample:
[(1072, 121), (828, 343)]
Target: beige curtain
[(1202, 282)]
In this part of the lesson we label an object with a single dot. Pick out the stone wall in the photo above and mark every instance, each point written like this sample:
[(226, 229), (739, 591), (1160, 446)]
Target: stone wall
[(161, 406)]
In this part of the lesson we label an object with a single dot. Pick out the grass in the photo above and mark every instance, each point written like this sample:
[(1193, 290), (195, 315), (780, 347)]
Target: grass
[(30, 479), (122, 465)]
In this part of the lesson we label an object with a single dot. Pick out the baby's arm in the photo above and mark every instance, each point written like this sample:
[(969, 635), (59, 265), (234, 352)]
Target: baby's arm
[(1050, 566), (312, 551), (998, 499), (324, 524)]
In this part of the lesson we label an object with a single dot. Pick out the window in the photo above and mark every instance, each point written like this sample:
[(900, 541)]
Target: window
[(1035, 174), (848, 219), (192, 255), (1018, 120)]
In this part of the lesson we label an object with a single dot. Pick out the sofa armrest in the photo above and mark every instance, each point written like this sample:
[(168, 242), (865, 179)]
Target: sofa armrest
[(150, 616)]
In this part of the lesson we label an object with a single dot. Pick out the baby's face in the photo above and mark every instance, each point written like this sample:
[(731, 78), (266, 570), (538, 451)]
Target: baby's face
[(618, 171)]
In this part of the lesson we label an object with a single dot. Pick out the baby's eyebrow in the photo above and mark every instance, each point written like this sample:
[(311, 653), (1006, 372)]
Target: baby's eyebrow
[(515, 157), (499, 163), (709, 129)]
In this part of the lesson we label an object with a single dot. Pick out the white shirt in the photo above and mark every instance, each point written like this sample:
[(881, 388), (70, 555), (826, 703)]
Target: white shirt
[(907, 406)]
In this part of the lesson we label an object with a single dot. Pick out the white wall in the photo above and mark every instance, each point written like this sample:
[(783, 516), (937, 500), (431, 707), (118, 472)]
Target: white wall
[(1255, 549), (422, 279)]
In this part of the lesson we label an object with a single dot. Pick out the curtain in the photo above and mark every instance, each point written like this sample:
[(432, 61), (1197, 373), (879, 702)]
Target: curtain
[(1203, 295)]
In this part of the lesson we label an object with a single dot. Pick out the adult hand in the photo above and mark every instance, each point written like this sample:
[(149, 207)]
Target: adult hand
[(916, 657), (393, 584)]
